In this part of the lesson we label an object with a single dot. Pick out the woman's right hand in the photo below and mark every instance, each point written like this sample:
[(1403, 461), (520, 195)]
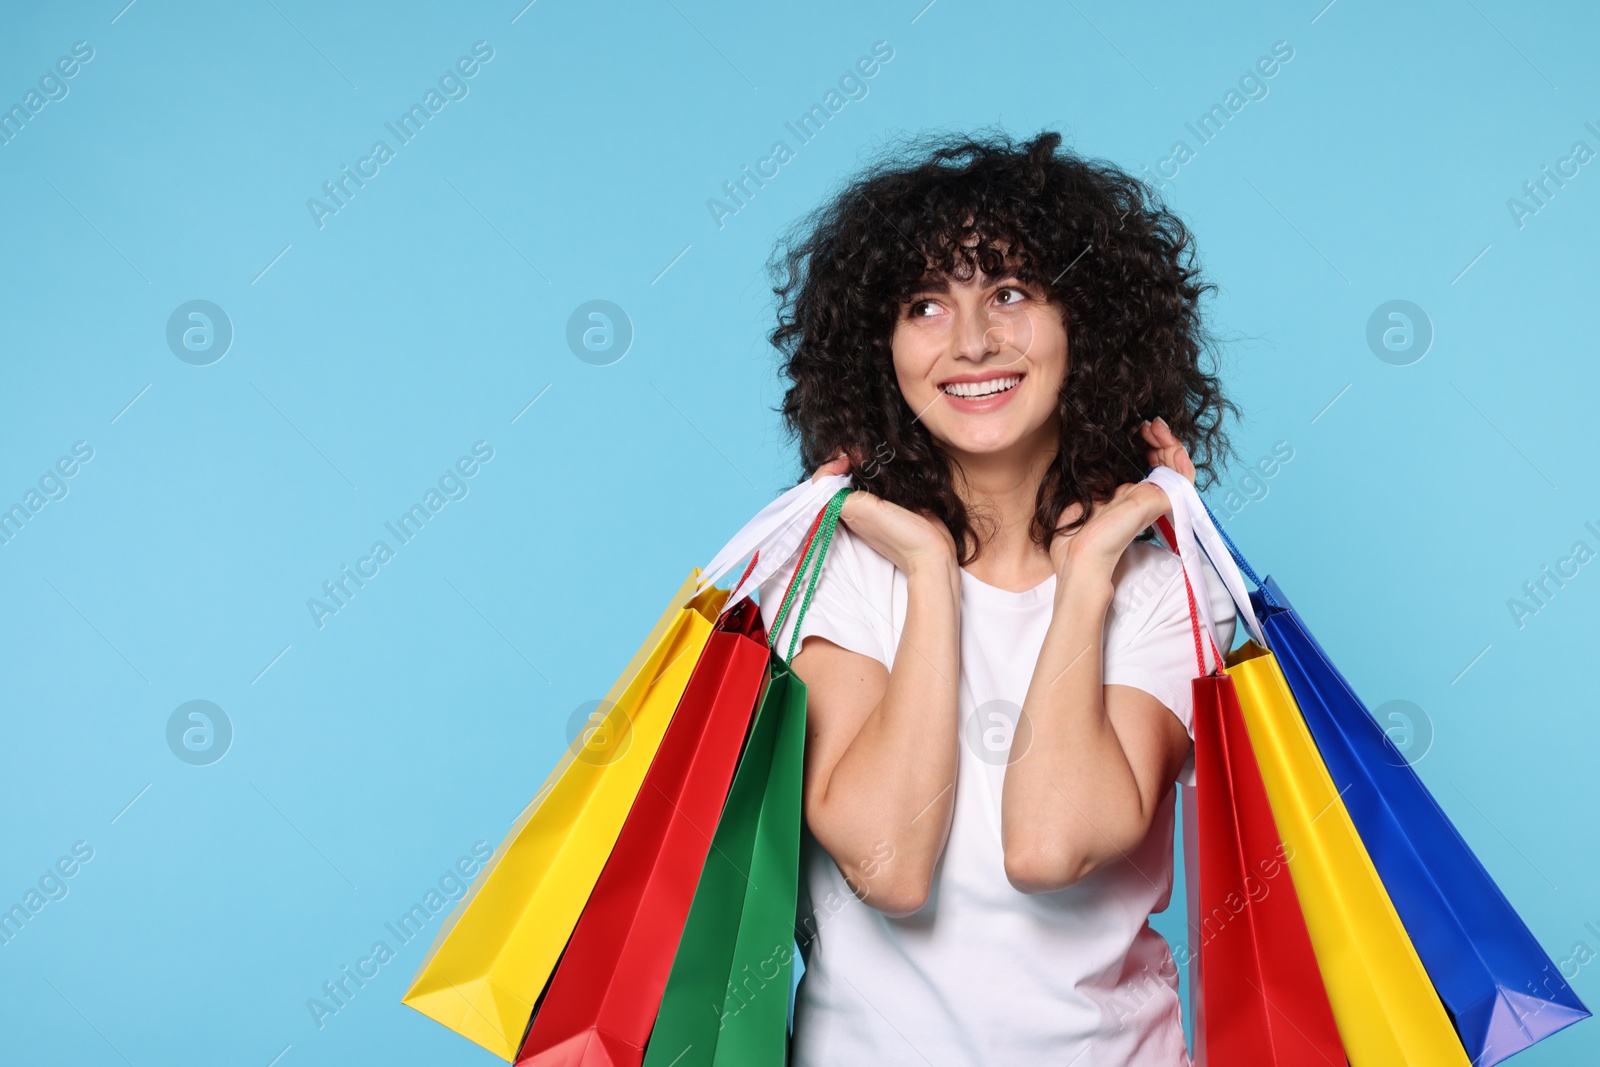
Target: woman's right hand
[(908, 539)]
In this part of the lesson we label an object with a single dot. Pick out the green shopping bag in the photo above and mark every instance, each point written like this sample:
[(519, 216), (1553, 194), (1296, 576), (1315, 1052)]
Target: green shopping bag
[(727, 997)]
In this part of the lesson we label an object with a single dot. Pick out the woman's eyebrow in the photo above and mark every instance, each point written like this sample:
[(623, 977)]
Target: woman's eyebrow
[(941, 283)]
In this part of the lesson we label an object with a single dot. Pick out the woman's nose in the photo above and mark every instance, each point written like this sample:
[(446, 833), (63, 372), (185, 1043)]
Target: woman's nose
[(985, 332), (979, 333)]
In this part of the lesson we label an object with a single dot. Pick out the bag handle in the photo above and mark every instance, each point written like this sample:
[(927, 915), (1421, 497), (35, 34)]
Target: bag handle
[(1167, 531), (1198, 539), (772, 535), (1238, 557), (788, 590), (818, 538)]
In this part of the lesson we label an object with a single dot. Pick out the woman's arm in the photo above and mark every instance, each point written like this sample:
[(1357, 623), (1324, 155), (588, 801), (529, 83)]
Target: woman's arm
[(1100, 758), (881, 744), (881, 748)]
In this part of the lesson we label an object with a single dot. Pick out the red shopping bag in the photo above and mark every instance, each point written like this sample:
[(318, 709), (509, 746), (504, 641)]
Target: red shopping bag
[(1258, 995), (602, 1000)]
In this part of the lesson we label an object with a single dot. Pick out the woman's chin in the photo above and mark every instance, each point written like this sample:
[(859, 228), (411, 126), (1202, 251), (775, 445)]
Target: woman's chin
[(984, 441)]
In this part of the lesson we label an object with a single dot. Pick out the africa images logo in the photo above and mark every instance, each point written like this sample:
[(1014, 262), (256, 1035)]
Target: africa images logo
[(852, 85), (452, 485), (452, 85)]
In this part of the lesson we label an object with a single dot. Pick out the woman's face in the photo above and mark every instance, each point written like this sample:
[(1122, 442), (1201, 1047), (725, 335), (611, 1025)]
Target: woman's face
[(981, 362)]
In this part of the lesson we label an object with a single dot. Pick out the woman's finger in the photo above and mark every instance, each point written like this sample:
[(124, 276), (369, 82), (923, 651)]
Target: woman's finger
[(1165, 448), (1159, 434), (1178, 460), (839, 464), (1160, 446)]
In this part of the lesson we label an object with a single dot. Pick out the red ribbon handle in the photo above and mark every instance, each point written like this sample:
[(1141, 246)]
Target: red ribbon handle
[(1164, 524)]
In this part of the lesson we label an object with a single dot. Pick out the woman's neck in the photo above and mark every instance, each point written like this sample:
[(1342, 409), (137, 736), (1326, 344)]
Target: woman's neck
[(1001, 492)]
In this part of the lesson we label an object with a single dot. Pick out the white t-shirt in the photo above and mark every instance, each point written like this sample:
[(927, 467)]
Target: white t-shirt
[(984, 975)]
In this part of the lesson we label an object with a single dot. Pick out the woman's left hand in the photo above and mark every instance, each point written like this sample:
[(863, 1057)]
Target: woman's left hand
[(1101, 541)]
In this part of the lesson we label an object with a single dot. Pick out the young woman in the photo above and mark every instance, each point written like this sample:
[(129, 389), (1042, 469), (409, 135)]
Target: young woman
[(996, 341)]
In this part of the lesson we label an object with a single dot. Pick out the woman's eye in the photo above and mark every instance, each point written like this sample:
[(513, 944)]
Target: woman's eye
[(1017, 295), (917, 306)]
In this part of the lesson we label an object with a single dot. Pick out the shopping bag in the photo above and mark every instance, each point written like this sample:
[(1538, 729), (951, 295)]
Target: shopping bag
[(1501, 989), (1258, 995), (602, 1000), (495, 953), (727, 999), (1387, 1012)]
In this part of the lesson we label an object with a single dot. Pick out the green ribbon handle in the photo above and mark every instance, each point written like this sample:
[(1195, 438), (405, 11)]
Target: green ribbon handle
[(817, 550)]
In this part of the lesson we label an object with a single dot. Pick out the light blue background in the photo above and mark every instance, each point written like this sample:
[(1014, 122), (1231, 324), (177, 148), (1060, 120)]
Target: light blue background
[(426, 315)]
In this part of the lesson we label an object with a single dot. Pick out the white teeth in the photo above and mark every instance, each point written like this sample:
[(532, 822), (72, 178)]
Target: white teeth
[(977, 389)]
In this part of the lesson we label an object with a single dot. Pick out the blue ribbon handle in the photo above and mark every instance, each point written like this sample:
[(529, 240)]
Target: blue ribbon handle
[(1238, 558)]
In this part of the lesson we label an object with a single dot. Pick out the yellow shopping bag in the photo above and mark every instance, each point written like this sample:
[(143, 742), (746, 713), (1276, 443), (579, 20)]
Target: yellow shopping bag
[(1383, 1001), (495, 953)]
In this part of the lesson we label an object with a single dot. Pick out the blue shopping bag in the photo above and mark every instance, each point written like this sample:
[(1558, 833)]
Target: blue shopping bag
[(1502, 991)]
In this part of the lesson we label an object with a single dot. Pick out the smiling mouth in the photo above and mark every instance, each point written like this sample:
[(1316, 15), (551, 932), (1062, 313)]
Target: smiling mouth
[(979, 390)]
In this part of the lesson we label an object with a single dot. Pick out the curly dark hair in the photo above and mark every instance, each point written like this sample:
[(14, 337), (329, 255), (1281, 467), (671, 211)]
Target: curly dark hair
[(1096, 241)]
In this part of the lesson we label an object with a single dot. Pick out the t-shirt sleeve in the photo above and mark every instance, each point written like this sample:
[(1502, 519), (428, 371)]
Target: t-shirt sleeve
[(1149, 640), (850, 605)]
